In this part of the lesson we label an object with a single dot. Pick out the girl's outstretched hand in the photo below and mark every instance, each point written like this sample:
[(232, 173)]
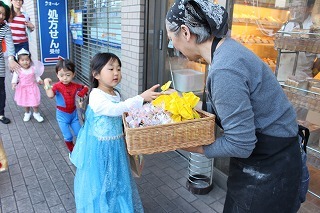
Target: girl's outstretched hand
[(40, 82), (150, 94)]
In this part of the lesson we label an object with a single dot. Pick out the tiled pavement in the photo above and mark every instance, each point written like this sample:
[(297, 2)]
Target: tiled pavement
[(40, 175)]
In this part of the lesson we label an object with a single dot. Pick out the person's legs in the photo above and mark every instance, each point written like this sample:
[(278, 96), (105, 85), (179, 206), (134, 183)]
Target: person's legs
[(27, 114), (64, 120), (2, 96), (75, 123), (3, 119), (36, 114)]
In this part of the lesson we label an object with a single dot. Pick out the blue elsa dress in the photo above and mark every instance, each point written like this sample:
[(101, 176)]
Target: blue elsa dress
[(103, 180)]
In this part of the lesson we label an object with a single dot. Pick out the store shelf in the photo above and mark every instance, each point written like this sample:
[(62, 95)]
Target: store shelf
[(252, 22), (260, 4), (248, 43), (302, 98), (297, 41), (254, 26)]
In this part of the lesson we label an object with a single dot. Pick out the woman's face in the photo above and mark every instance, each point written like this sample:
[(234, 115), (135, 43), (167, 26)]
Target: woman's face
[(2, 14), (17, 3), (183, 43)]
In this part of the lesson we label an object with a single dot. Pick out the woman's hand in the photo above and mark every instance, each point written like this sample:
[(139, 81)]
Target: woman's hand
[(150, 94), (30, 25), (13, 65)]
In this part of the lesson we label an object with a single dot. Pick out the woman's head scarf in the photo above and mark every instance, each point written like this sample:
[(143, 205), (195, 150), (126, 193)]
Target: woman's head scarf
[(202, 13)]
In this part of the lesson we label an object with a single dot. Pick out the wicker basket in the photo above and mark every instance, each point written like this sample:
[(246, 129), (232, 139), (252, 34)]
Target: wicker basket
[(169, 137)]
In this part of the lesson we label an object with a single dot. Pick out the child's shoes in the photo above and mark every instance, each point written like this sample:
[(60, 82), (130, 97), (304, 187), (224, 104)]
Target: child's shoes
[(27, 116), (69, 145), (37, 116)]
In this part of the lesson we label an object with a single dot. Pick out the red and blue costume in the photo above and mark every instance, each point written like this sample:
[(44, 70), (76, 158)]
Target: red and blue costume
[(66, 113)]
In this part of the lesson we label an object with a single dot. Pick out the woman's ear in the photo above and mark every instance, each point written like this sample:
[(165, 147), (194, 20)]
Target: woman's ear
[(185, 31)]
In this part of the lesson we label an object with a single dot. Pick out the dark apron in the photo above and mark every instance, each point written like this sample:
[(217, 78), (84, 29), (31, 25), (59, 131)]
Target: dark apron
[(270, 179), (267, 181)]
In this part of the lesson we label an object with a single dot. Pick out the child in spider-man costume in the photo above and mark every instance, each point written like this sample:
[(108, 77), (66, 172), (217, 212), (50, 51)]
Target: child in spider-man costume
[(65, 92)]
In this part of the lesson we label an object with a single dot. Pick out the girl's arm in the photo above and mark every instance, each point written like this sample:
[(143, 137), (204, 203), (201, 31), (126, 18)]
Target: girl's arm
[(28, 24), (39, 80), (15, 77), (14, 80), (101, 105), (48, 87)]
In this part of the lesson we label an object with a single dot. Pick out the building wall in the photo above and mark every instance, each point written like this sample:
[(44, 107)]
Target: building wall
[(30, 7), (132, 47)]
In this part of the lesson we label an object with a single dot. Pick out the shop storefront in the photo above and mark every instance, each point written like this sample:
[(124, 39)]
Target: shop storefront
[(97, 28), (135, 31), (255, 24)]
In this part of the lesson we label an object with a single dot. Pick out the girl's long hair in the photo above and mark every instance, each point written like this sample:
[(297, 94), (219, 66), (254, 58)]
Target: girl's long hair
[(96, 65), (13, 13)]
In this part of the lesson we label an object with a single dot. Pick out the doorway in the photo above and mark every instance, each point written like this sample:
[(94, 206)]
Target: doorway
[(155, 39), (161, 57)]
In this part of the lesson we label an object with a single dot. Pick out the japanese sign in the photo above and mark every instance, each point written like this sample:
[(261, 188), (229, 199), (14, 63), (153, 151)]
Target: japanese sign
[(53, 30), (76, 26)]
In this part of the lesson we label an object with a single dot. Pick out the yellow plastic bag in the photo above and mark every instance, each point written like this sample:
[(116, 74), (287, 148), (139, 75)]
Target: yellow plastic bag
[(3, 158)]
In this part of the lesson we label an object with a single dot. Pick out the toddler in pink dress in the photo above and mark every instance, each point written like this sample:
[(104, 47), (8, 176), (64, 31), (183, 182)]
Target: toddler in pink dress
[(27, 92)]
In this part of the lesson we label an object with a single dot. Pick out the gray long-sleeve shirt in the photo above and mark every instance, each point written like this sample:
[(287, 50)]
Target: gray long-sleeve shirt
[(5, 33), (248, 99)]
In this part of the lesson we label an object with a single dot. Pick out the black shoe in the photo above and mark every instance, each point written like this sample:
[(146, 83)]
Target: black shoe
[(5, 120)]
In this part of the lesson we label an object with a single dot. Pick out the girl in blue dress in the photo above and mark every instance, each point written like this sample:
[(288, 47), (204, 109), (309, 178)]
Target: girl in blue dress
[(103, 180)]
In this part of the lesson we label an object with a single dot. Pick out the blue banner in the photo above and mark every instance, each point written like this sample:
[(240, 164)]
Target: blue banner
[(53, 30)]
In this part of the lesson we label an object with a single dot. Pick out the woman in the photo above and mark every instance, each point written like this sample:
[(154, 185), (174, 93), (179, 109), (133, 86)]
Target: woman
[(5, 34), (19, 23), (259, 123)]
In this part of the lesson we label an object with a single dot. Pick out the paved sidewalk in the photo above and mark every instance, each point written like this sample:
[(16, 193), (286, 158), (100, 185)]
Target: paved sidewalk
[(40, 175)]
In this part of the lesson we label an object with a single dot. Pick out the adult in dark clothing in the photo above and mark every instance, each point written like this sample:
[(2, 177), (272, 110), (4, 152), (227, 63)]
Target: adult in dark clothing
[(5, 36), (259, 123)]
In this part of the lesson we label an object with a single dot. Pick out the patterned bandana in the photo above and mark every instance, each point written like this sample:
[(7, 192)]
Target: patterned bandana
[(200, 13)]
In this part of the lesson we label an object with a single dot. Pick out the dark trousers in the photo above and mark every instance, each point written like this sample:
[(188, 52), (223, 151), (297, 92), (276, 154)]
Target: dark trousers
[(2, 95), (24, 45), (267, 181)]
